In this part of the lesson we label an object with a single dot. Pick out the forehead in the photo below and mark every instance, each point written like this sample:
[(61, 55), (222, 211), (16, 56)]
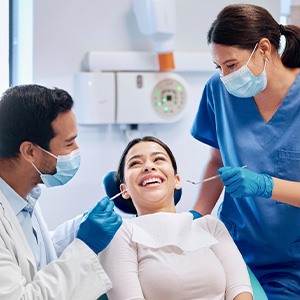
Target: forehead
[(145, 149), (64, 125), (221, 53)]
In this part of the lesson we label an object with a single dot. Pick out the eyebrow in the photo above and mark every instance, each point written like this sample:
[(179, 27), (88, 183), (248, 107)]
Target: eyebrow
[(140, 155), (72, 138), (226, 61)]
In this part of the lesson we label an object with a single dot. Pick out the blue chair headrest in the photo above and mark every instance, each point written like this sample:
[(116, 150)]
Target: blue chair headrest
[(111, 187)]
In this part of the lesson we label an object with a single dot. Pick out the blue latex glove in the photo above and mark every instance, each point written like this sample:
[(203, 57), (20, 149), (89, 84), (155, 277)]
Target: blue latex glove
[(99, 225), (196, 215), (240, 182)]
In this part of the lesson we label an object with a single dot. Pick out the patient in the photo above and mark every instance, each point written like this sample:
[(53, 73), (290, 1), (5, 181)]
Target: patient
[(162, 254)]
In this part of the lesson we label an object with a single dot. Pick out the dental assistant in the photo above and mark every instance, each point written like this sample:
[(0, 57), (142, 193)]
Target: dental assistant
[(250, 115), (38, 145)]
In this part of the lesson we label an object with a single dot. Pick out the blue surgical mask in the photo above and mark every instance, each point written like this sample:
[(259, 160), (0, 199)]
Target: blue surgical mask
[(242, 83), (66, 168)]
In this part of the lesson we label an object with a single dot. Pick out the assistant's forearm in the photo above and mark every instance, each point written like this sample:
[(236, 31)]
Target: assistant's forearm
[(286, 191), (210, 191), (208, 196)]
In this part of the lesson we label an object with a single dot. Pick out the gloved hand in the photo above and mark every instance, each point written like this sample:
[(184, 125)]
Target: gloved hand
[(196, 215), (99, 225), (240, 182)]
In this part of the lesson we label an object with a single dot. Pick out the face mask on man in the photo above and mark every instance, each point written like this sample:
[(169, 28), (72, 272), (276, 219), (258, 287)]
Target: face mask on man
[(66, 168), (242, 83)]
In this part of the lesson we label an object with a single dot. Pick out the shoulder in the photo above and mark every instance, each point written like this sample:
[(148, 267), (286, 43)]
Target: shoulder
[(211, 224), (214, 81)]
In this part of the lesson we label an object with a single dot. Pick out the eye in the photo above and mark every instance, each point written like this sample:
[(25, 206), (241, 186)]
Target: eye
[(159, 158), (232, 66), (134, 163)]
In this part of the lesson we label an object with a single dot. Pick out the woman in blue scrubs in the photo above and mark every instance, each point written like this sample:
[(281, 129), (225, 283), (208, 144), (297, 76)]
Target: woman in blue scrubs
[(250, 115)]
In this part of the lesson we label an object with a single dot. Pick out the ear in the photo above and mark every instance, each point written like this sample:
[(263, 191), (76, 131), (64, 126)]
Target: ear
[(28, 151), (177, 182), (265, 47), (123, 187)]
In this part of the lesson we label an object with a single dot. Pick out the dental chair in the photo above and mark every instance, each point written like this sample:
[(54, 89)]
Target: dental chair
[(111, 187)]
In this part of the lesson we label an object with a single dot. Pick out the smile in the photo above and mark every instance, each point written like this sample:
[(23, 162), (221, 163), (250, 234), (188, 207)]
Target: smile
[(149, 181)]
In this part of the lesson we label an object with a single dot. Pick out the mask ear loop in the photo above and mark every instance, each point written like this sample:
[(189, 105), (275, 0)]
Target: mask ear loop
[(47, 152), (266, 60), (252, 53), (36, 168)]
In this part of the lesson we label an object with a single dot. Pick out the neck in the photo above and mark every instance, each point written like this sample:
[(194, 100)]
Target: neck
[(169, 209), (280, 80), (19, 179)]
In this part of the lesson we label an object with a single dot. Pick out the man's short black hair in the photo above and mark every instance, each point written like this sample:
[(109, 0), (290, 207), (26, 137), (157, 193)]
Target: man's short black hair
[(26, 114)]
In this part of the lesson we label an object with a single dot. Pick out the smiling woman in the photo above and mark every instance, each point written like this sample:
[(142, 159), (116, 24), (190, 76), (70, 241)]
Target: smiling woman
[(162, 254)]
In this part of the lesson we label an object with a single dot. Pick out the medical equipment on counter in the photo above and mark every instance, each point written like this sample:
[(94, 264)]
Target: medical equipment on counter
[(156, 18)]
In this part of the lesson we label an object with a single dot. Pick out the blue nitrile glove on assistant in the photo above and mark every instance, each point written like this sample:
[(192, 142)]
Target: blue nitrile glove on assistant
[(99, 225), (196, 215), (241, 182)]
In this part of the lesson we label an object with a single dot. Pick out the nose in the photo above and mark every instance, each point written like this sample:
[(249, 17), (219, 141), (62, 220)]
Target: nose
[(149, 166), (75, 145)]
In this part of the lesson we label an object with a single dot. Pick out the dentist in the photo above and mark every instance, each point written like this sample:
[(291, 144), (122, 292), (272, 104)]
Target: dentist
[(37, 145)]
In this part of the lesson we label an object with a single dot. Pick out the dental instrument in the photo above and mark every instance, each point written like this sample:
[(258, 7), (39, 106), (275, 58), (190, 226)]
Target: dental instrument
[(209, 178), (117, 195)]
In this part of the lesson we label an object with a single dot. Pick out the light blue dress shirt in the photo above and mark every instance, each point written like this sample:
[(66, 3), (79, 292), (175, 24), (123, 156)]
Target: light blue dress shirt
[(24, 212)]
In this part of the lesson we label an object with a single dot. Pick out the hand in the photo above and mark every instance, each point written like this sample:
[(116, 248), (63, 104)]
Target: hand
[(240, 182), (195, 214), (99, 225)]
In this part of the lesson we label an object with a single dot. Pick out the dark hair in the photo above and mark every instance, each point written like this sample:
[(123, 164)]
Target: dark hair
[(120, 172), (244, 25), (26, 114)]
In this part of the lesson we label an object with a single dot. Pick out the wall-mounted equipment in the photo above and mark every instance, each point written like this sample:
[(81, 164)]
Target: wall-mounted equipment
[(95, 98), (157, 18), (129, 97), (128, 88), (150, 97)]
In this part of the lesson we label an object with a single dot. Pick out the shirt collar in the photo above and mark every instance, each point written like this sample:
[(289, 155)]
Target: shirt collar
[(16, 201)]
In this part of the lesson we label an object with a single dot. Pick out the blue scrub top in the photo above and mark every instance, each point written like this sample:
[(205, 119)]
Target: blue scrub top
[(267, 232)]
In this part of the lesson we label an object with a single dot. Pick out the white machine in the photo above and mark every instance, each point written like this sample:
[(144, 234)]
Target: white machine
[(157, 18), (129, 97), (135, 87)]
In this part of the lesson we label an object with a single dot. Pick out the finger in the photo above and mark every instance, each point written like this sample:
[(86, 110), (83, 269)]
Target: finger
[(224, 169), (231, 180), (233, 187), (225, 175), (99, 207)]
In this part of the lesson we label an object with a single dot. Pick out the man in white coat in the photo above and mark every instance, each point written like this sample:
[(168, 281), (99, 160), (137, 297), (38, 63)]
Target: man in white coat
[(37, 145)]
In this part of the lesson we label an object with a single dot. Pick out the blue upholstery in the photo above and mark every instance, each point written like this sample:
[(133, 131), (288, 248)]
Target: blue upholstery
[(258, 291), (111, 187)]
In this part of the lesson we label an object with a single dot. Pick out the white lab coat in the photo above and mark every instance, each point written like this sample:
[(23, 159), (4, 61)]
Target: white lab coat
[(76, 274)]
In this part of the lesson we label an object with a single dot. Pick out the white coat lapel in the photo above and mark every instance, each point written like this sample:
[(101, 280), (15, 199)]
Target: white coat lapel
[(15, 239)]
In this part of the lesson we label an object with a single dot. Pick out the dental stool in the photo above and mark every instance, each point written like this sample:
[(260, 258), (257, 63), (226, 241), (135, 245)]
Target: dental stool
[(111, 187)]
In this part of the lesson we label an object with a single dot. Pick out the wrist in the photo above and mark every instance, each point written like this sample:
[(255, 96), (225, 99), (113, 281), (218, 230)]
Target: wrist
[(268, 186)]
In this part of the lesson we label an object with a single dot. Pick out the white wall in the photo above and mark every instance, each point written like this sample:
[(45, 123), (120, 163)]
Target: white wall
[(63, 32)]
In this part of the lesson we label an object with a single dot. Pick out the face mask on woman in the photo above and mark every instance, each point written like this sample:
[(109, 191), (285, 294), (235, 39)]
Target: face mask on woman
[(66, 168), (242, 83)]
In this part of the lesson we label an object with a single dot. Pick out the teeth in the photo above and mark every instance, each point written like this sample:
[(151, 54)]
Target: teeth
[(151, 180)]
